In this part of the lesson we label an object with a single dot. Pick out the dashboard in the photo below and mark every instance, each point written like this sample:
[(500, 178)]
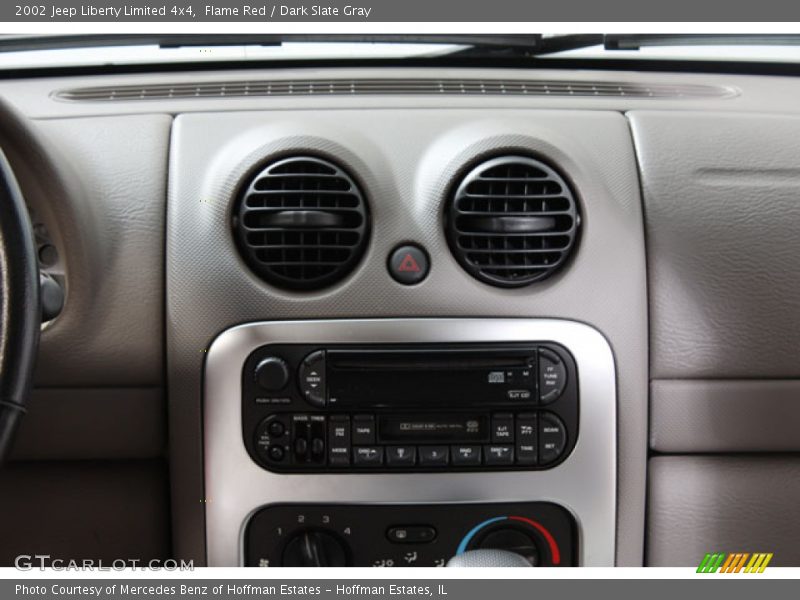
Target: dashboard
[(304, 298)]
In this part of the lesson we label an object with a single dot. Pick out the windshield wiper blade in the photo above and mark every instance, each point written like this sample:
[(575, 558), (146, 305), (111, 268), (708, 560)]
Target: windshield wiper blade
[(636, 41)]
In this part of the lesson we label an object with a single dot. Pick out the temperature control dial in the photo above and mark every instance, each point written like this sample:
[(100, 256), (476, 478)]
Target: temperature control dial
[(512, 539), (521, 535)]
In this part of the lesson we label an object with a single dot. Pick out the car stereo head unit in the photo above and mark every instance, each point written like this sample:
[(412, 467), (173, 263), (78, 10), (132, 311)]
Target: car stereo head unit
[(409, 407)]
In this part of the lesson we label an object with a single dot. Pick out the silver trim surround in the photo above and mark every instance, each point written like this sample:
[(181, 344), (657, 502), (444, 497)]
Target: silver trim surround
[(585, 483)]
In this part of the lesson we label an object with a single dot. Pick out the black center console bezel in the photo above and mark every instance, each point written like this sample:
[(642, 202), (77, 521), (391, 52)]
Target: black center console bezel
[(259, 406), (366, 531)]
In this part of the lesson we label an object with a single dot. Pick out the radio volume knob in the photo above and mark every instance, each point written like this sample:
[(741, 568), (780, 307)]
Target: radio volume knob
[(272, 373)]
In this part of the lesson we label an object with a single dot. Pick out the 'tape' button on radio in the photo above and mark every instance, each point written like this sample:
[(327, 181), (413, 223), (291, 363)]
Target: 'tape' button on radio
[(363, 430), (552, 376)]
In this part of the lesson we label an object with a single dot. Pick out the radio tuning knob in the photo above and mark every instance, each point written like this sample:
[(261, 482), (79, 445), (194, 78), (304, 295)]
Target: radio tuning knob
[(272, 373), (312, 379)]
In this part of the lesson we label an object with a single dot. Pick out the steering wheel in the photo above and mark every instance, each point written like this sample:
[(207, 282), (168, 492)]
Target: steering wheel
[(20, 311)]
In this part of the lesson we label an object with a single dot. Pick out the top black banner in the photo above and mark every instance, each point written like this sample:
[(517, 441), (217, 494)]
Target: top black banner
[(464, 11)]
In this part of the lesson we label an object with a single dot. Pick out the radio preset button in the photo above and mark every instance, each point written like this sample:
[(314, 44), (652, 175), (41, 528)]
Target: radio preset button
[(552, 438), (433, 456), (401, 456), (368, 456), (527, 434), (499, 455), (465, 456), (311, 377), (552, 376), (502, 428), (363, 430)]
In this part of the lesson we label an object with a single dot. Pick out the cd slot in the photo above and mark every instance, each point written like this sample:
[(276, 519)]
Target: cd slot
[(449, 360), (424, 377)]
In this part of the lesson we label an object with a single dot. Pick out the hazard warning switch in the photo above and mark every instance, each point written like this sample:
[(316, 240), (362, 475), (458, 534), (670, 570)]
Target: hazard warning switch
[(408, 264)]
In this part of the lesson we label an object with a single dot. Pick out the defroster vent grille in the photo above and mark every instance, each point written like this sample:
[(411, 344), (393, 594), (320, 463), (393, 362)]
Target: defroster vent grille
[(511, 221), (302, 223)]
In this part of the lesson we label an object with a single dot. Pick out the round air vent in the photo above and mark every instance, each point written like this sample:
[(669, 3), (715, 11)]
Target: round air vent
[(302, 223), (512, 221)]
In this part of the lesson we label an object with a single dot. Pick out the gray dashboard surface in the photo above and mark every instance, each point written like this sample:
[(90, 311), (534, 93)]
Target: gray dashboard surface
[(37, 96), (722, 291), (699, 504), (405, 160), (724, 415), (112, 233), (722, 216)]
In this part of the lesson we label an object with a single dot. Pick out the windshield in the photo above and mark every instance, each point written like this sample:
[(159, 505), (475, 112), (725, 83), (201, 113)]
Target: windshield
[(154, 54), (31, 52), (716, 52)]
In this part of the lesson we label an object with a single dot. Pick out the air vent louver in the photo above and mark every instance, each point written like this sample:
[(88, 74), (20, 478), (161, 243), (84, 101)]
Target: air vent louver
[(302, 223), (512, 220), (257, 88)]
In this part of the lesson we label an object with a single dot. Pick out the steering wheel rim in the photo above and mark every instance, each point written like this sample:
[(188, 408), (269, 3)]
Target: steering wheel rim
[(20, 311)]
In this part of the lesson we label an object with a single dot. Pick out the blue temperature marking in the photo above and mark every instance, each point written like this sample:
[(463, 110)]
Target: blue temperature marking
[(462, 547)]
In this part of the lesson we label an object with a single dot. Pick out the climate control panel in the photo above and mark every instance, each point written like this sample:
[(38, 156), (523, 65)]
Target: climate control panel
[(306, 535)]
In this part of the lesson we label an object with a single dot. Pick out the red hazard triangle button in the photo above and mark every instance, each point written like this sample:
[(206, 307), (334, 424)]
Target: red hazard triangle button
[(408, 264)]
